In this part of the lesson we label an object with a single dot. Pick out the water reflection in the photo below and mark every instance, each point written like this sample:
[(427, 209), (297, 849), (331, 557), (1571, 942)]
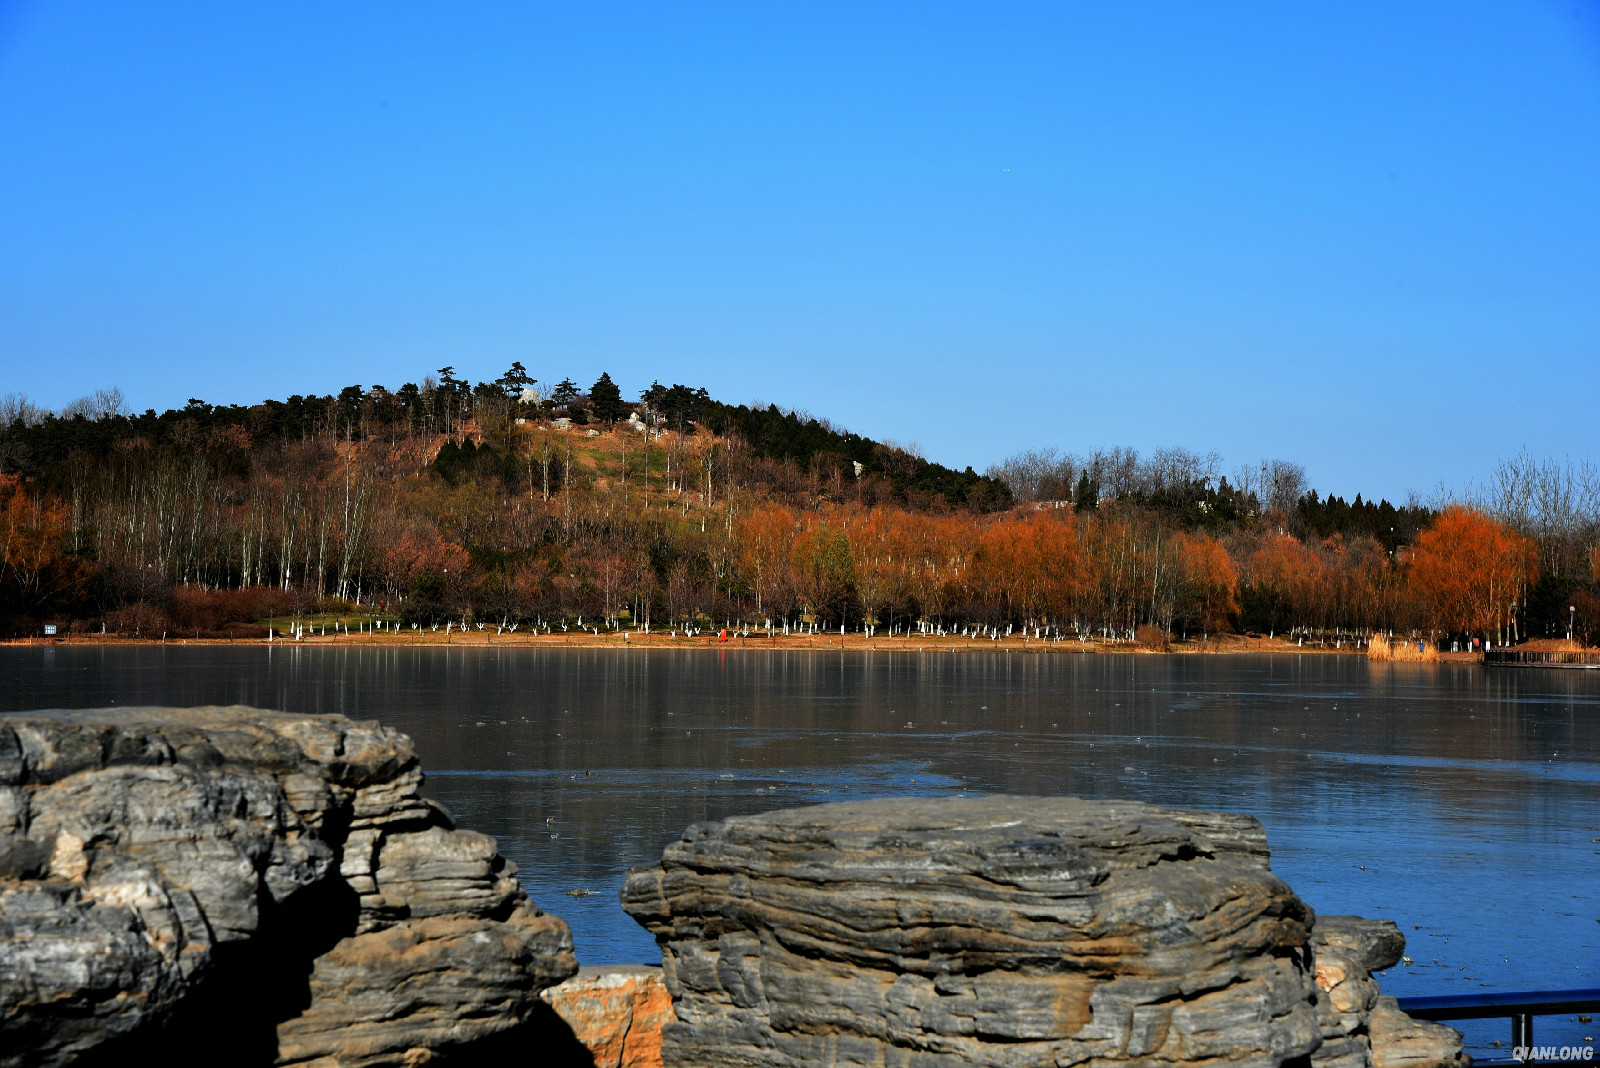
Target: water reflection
[(1462, 802)]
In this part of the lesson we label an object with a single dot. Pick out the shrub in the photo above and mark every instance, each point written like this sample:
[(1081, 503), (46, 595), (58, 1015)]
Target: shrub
[(138, 620), (195, 608), (1152, 637)]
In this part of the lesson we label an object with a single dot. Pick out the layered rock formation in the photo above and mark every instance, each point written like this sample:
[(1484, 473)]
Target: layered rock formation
[(1360, 1027), (1002, 932), (1347, 950), (1398, 1041), (187, 886), (187, 881)]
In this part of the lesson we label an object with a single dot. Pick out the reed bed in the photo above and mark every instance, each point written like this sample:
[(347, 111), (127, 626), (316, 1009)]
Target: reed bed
[(1416, 652)]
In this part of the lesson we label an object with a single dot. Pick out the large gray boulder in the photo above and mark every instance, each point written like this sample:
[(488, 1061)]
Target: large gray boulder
[(192, 882), (998, 931), (1010, 931)]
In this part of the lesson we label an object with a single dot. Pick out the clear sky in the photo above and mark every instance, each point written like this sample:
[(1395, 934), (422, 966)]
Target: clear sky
[(1361, 236)]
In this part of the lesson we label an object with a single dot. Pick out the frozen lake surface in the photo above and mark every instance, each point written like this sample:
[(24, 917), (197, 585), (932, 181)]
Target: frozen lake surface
[(1462, 802)]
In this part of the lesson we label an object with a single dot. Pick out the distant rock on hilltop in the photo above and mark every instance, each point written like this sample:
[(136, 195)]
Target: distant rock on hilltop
[(230, 884)]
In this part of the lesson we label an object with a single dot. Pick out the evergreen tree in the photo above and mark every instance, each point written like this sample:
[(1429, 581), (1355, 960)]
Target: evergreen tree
[(514, 381), (565, 393), (445, 396), (606, 399), (350, 400), (1088, 495)]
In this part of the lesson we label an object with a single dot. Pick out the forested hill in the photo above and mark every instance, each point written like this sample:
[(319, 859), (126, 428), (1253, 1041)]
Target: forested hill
[(34, 442), (508, 501), (785, 437)]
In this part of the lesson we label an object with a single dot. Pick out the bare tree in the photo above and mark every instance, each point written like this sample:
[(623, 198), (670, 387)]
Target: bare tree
[(101, 404), (1037, 475), (1556, 504), (1283, 483), (1173, 470), (16, 407)]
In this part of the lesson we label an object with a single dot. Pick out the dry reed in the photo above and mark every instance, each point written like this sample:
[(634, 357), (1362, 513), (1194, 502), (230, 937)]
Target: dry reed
[(1419, 652)]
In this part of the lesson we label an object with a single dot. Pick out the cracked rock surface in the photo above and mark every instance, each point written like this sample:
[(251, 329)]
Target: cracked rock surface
[(179, 881), (1005, 932), (616, 1013), (997, 931)]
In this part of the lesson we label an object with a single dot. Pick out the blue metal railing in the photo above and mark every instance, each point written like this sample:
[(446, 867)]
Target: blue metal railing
[(1519, 1007)]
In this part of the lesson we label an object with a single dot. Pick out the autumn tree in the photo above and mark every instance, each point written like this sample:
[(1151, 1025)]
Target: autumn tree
[(687, 589), (36, 571), (611, 570), (1584, 616), (1360, 583), (764, 536), (1033, 564), (935, 551), (823, 571), (1210, 583), (1286, 577), (1468, 570), (871, 536)]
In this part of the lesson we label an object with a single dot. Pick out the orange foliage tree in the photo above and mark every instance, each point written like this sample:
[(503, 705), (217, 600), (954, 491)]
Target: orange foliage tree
[(1468, 570), (1034, 563), (765, 534), (1289, 577), (35, 567), (1359, 583), (873, 537), (935, 555), (1210, 588)]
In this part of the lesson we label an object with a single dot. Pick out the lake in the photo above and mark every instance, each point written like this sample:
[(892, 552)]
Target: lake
[(1460, 801)]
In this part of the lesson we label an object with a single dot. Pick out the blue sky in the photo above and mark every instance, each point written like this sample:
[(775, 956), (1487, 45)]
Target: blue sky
[(1361, 236)]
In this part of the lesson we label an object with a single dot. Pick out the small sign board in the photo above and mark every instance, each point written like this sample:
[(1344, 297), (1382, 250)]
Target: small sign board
[(49, 630)]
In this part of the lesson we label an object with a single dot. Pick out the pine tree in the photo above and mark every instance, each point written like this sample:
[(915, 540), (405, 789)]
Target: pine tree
[(1088, 495), (564, 393), (606, 399), (514, 381)]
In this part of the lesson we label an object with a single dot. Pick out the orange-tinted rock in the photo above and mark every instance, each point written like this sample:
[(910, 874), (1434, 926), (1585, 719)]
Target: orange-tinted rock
[(617, 1012)]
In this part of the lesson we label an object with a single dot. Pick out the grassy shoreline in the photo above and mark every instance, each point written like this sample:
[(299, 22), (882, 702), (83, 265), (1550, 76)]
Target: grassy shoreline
[(1229, 645)]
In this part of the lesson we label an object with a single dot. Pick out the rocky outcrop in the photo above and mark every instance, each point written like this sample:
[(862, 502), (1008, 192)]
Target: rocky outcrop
[(188, 886), (188, 881), (616, 1013), (1346, 950), (1361, 1028), (996, 931), (1398, 1041), (1008, 931), (1374, 945)]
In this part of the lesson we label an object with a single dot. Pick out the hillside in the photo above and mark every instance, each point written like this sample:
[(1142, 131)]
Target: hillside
[(441, 501)]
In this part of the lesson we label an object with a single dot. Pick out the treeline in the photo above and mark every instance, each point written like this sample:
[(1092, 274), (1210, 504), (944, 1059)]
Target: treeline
[(500, 502), (35, 442), (1192, 491)]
